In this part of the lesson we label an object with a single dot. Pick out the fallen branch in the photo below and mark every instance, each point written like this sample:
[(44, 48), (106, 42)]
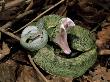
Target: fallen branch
[(30, 5), (12, 4), (2, 4), (20, 16), (31, 61), (104, 52), (41, 15), (10, 34), (17, 38), (37, 70), (4, 51)]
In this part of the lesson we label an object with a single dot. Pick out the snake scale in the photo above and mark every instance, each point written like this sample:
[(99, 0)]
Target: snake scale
[(50, 57)]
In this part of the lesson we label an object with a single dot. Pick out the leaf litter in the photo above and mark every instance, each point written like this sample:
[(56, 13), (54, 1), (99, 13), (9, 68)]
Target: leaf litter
[(87, 13)]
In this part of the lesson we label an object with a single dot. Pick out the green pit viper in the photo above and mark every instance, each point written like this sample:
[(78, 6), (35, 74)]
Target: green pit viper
[(40, 38)]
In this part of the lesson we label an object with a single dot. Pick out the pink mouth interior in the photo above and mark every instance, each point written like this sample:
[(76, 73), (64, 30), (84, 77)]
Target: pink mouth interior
[(61, 38)]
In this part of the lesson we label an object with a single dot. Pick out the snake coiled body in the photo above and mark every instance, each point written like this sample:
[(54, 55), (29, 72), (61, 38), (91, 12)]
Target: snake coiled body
[(50, 58)]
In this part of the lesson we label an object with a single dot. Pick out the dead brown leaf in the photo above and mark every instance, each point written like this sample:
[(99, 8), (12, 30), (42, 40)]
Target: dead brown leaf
[(98, 74), (4, 51), (87, 78), (8, 71), (58, 79), (9, 14), (108, 75), (101, 74), (28, 75), (90, 13), (20, 57), (103, 41)]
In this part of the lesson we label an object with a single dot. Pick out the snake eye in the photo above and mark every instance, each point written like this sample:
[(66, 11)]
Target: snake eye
[(33, 37), (27, 41)]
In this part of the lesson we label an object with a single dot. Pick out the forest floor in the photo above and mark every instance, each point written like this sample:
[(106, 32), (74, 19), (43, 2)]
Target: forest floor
[(17, 66)]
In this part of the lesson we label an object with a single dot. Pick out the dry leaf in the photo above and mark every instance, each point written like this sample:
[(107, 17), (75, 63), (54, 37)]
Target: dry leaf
[(87, 79), (97, 81), (103, 36), (58, 79), (90, 13), (8, 71), (9, 14), (28, 75), (103, 41), (4, 51), (108, 75), (101, 74), (20, 57)]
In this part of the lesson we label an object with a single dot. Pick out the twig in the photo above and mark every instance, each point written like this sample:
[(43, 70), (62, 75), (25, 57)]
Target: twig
[(20, 16), (31, 61), (30, 5), (98, 25), (2, 4), (10, 34), (40, 15), (24, 14), (104, 52), (8, 24), (12, 4), (4, 51), (2, 29), (37, 70), (62, 11), (28, 1), (17, 38)]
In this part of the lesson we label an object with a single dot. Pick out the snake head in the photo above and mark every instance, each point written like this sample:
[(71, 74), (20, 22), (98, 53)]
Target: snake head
[(61, 37), (33, 38)]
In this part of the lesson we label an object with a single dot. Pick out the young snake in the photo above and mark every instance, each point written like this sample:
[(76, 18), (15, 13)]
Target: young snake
[(52, 58)]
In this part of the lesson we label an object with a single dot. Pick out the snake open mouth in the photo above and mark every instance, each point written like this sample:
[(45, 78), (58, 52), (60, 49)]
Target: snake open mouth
[(61, 38), (53, 58)]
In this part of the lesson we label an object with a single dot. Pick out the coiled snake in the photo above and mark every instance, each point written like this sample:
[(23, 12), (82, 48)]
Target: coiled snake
[(52, 58)]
